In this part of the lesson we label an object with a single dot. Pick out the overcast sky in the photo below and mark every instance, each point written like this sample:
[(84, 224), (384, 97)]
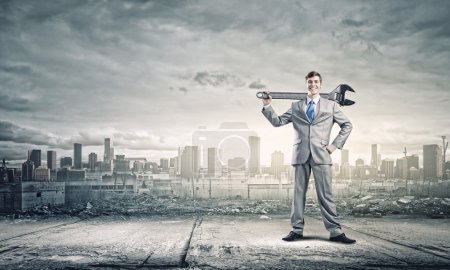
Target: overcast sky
[(148, 73)]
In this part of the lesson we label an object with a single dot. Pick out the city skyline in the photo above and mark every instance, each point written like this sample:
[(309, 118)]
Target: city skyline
[(344, 158), (140, 72)]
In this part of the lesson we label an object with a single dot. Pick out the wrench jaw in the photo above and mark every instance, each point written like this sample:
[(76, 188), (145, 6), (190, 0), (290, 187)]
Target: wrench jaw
[(338, 94)]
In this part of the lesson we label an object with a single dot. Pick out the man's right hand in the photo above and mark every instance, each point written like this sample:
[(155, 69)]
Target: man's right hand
[(267, 101)]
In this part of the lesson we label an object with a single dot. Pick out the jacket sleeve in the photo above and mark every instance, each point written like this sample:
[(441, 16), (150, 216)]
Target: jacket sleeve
[(276, 120), (344, 124)]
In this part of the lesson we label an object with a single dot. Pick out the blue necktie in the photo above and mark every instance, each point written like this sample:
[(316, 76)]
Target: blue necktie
[(310, 111)]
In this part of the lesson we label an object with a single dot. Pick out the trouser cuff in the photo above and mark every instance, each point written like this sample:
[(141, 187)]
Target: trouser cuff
[(335, 232)]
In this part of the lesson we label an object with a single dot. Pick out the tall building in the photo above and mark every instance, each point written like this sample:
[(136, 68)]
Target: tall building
[(344, 156), (255, 149), (176, 165), (92, 161), (65, 162), (213, 162), (51, 160), (410, 162), (432, 161), (359, 163), (164, 164), (374, 156), (190, 162), (77, 156), (107, 157), (277, 162), (387, 166), (400, 168), (28, 169), (35, 156)]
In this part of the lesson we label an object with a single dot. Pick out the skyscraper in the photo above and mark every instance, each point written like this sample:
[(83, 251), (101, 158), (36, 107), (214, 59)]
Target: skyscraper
[(92, 161), (77, 156), (35, 156), (190, 162), (51, 160), (164, 164), (432, 161), (344, 156), (107, 153), (213, 161), (277, 162), (28, 169), (359, 163), (374, 156), (254, 163), (400, 168), (388, 168)]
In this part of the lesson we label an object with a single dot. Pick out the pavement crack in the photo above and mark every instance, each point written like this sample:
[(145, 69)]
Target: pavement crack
[(146, 259), (182, 263)]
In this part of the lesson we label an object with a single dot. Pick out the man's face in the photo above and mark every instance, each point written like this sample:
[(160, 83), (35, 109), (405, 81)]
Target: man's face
[(314, 85)]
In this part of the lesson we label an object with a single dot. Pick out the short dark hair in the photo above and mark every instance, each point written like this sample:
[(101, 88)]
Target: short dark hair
[(312, 74)]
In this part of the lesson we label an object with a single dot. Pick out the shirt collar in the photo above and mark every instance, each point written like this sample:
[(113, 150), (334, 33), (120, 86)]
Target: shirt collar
[(316, 100)]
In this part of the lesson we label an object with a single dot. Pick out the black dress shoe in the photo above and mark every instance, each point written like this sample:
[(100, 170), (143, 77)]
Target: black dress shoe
[(342, 239), (292, 236)]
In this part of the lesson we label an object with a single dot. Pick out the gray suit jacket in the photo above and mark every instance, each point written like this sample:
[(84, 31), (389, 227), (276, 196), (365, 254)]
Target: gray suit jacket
[(312, 138)]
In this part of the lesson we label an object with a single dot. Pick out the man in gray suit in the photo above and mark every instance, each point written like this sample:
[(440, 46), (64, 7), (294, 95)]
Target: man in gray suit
[(312, 119)]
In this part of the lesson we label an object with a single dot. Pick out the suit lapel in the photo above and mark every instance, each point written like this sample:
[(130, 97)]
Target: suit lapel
[(302, 105), (322, 108)]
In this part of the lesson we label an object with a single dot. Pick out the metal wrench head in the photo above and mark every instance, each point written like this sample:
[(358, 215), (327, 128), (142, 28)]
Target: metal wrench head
[(340, 94)]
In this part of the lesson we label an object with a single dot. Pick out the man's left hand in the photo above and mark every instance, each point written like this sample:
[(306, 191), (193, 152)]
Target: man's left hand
[(331, 148)]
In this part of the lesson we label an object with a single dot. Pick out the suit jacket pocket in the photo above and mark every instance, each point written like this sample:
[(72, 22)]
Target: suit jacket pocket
[(297, 141)]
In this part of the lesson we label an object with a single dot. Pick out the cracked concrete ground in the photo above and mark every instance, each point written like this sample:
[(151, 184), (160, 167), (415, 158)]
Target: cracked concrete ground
[(221, 242)]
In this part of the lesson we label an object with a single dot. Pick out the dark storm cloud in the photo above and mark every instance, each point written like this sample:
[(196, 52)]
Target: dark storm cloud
[(10, 132), (16, 69), (183, 89), (257, 85), (217, 79), (13, 151), (354, 23), (15, 103), (15, 136)]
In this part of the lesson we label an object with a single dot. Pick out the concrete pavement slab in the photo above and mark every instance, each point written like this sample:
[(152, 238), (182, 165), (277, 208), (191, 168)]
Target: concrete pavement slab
[(226, 242), (111, 242), (222, 242)]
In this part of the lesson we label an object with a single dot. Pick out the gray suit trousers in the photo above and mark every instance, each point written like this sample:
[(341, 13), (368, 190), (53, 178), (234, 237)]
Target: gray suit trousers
[(322, 176)]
